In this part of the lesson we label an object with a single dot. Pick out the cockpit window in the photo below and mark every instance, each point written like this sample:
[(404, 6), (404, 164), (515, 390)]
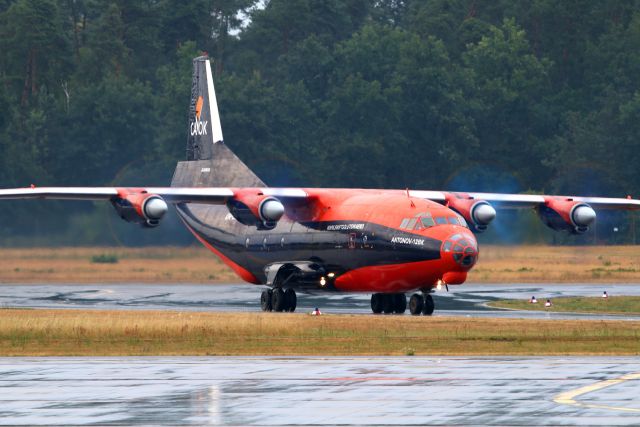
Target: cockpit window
[(427, 221), (441, 220), (463, 222), (404, 223), (411, 223)]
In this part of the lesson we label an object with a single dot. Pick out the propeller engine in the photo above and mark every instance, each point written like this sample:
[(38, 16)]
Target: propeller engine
[(140, 207), (566, 214), (477, 213), (256, 209)]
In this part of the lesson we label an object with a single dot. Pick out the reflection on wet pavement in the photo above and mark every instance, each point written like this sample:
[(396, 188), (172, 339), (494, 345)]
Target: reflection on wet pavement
[(465, 300), (316, 391)]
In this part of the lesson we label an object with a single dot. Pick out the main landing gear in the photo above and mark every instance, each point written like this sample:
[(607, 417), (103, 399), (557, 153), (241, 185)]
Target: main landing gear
[(388, 303), (277, 299), (419, 304)]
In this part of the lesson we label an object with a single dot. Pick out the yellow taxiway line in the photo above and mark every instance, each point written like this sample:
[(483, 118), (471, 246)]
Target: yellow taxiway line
[(568, 398)]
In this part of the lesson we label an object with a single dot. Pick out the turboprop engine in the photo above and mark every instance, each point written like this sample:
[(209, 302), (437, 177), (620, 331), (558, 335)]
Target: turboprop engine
[(477, 213), (140, 207), (566, 214), (256, 209)]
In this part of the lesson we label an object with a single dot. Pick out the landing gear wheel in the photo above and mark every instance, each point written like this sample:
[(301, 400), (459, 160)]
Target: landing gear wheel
[(376, 303), (291, 300), (429, 305), (416, 304), (265, 300), (387, 303), (278, 301), (399, 303)]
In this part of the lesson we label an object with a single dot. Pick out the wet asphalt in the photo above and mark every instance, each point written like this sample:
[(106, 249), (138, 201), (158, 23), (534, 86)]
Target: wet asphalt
[(464, 300), (407, 391)]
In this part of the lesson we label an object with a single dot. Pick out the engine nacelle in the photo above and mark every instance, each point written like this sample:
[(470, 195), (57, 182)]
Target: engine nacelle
[(477, 213), (140, 207), (256, 209), (566, 215)]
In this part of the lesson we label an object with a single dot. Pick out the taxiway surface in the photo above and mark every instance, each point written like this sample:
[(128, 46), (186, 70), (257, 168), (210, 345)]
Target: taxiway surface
[(465, 300), (321, 391)]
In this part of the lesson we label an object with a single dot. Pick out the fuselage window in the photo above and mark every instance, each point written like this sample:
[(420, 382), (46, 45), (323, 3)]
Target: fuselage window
[(264, 243), (246, 243), (441, 220), (282, 242)]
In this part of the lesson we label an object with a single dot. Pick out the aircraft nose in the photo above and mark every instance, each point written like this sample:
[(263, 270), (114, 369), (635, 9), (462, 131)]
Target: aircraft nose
[(463, 248)]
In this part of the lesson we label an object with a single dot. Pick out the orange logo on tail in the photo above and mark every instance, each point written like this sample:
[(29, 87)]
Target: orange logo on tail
[(199, 127), (199, 106)]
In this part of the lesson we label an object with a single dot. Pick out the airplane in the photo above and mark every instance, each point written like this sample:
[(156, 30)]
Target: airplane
[(384, 242)]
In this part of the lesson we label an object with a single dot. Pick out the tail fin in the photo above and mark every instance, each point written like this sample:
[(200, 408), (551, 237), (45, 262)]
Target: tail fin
[(204, 121), (210, 163)]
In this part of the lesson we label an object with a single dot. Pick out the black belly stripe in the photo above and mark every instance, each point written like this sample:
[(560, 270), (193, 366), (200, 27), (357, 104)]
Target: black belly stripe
[(343, 245)]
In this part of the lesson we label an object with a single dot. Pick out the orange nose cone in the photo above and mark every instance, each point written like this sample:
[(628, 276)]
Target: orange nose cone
[(463, 247)]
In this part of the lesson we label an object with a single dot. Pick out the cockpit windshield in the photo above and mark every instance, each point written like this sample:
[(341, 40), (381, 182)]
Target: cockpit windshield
[(426, 220)]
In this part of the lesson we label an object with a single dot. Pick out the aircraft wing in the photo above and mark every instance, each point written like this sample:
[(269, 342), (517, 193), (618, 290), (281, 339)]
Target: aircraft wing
[(208, 195), (149, 204), (572, 213), (515, 201)]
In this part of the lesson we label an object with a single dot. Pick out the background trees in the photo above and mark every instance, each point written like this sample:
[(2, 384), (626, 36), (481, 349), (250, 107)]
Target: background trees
[(491, 96)]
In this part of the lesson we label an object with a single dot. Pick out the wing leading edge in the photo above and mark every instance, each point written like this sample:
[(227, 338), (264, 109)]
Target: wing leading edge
[(209, 195), (521, 201)]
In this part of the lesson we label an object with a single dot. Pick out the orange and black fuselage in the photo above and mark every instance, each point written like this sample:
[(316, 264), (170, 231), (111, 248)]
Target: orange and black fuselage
[(364, 240)]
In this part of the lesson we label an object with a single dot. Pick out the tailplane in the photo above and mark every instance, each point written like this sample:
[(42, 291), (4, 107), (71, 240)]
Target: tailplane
[(210, 163)]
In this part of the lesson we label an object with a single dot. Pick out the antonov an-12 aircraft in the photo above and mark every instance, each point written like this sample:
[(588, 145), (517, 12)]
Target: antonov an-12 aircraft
[(384, 242)]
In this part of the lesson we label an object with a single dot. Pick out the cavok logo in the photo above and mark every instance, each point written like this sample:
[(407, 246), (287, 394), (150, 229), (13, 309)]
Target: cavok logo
[(199, 127)]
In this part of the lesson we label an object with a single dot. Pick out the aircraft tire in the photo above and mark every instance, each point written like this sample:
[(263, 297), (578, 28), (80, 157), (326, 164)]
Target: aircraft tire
[(376, 303), (429, 305), (388, 303), (399, 303), (278, 300), (291, 299), (416, 304), (265, 300)]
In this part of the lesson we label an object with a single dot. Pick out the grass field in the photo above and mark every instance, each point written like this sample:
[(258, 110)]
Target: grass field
[(615, 304), (109, 265), (107, 333), (497, 264)]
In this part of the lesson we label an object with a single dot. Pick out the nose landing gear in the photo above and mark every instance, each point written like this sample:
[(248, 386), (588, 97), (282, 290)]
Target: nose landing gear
[(419, 304)]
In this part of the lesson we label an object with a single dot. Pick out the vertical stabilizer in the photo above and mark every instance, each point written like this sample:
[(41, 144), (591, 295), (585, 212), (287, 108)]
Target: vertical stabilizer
[(204, 121), (210, 162)]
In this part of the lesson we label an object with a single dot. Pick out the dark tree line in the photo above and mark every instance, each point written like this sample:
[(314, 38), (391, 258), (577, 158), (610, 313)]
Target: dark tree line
[(518, 96)]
